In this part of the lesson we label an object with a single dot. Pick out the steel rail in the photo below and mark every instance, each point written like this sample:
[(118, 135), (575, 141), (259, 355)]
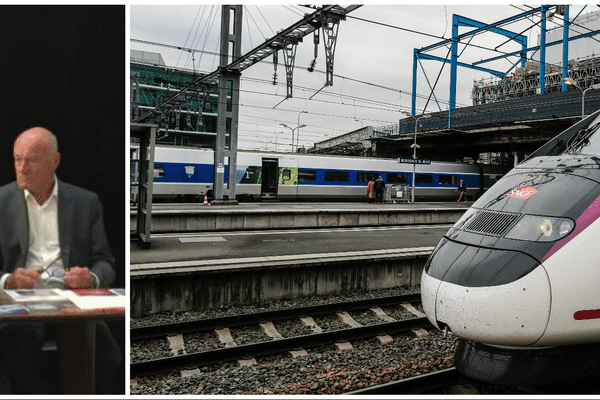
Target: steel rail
[(202, 325), (424, 383), (169, 364)]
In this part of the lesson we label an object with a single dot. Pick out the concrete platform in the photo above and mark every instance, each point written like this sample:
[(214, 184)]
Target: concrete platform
[(180, 275), (187, 285), (281, 215)]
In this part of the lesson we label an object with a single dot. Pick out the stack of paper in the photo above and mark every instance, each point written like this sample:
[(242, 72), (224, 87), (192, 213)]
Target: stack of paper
[(82, 298), (96, 298)]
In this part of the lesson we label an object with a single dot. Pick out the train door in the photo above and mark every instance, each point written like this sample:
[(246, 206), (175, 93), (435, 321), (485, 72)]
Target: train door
[(270, 177)]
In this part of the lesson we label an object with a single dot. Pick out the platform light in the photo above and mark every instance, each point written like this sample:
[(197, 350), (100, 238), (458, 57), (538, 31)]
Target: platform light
[(572, 82), (293, 129), (415, 146)]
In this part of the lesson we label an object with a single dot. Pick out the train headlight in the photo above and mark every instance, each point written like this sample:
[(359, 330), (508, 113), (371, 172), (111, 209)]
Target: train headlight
[(541, 229), (546, 228)]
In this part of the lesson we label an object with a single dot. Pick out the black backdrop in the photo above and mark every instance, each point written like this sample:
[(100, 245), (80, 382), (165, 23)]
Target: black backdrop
[(63, 67)]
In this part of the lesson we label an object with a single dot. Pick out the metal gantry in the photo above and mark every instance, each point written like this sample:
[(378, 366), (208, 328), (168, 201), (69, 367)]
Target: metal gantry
[(515, 84), (326, 17)]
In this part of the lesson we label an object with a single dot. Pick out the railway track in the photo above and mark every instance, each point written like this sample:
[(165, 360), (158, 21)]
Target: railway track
[(450, 381), (433, 382), (297, 343)]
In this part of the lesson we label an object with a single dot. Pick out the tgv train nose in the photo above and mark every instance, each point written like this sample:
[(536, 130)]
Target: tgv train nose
[(486, 295)]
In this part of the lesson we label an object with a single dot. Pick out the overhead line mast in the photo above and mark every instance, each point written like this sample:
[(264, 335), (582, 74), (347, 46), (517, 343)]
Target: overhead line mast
[(327, 17)]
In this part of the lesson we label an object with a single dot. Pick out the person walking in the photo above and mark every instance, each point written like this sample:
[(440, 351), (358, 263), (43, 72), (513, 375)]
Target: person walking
[(379, 187), (371, 190), (462, 188)]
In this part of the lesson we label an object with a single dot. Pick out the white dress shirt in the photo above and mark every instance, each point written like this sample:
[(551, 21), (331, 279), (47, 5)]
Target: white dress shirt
[(44, 242)]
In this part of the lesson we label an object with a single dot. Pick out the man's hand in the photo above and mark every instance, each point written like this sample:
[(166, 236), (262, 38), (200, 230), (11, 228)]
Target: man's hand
[(79, 278), (22, 278)]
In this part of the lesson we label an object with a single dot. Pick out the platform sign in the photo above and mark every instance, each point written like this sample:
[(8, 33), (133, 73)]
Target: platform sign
[(414, 161)]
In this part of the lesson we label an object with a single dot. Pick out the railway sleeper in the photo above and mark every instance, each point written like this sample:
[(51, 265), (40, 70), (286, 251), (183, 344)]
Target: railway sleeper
[(225, 337), (176, 345)]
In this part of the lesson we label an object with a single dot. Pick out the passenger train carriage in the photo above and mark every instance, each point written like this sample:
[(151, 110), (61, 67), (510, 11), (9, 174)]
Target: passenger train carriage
[(184, 173), (517, 277)]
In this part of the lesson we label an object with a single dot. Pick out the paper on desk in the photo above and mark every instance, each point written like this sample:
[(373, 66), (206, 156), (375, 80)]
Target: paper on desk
[(35, 295), (95, 298)]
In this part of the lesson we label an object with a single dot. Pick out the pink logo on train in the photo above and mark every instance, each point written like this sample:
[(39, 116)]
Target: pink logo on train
[(522, 192)]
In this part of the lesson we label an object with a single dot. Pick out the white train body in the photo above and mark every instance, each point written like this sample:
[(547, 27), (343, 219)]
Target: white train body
[(185, 172), (519, 273)]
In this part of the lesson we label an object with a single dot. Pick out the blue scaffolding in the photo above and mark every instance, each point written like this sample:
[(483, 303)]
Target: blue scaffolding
[(452, 56)]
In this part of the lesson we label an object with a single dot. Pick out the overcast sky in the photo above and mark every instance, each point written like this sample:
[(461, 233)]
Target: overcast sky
[(373, 64)]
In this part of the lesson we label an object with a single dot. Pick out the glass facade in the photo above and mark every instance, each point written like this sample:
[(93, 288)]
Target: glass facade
[(191, 122)]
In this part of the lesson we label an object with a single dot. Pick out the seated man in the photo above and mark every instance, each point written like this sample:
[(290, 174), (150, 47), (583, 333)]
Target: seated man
[(49, 228)]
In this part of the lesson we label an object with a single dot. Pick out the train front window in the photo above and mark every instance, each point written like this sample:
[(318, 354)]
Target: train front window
[(586, 141), (590, 145)]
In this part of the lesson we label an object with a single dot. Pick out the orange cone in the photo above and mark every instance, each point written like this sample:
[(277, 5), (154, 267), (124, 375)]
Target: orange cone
[(205, 201)]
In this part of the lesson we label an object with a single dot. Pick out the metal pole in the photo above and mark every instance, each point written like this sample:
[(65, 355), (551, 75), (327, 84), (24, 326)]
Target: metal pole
[(414, 163), (292, 140), (298, 135), (583, 103)]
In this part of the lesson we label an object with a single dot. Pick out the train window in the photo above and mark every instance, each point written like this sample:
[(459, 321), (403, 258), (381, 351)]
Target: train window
[(159, 171), (337, 176), (424, 179), (307, 175), (366, 176), (591, 146), (448, 180), (286, 175), (396, 178)]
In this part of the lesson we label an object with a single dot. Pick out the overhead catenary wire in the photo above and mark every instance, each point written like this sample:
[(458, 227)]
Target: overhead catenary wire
[(362, 106)]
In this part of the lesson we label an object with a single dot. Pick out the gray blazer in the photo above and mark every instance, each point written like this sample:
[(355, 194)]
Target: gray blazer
[(81, 233)]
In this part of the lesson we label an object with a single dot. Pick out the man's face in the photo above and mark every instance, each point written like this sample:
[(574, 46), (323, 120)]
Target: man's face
[(34, 165)]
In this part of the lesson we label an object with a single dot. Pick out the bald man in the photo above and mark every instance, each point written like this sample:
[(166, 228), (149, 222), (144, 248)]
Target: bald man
[(48, 228)]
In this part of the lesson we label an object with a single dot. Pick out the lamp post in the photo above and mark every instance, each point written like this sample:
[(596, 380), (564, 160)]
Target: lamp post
[(276, 142), (414, 147), (572, 82), (292, 129), (299, 126)]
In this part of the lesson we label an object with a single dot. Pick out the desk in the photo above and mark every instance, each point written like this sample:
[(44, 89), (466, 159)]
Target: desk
[(77, 337)]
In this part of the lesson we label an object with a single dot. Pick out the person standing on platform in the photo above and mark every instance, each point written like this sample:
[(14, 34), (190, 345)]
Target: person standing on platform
[(462, 188), (371, 190), (379, 188), (48, 224)]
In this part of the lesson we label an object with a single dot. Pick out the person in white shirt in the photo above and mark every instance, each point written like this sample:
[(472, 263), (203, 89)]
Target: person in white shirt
[(48, 229)]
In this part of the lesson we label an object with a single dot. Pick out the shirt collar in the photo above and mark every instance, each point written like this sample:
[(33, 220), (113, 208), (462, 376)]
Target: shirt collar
[(53, 194)]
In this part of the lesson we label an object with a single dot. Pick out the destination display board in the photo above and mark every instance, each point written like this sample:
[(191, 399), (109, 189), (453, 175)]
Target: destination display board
[(414, 161)]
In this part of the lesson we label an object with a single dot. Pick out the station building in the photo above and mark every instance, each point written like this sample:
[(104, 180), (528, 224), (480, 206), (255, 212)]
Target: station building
[(192, 122)]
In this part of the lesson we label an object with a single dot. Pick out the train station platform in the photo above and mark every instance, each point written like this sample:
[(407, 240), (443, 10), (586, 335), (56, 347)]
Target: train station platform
[(281, 215), (185, 270), (197, 260)]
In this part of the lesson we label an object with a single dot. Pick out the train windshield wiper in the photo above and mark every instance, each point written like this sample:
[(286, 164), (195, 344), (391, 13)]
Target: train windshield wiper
[(585, 142)]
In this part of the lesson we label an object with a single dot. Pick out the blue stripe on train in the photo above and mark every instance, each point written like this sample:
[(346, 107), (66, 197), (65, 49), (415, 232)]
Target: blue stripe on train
[(203, 173)]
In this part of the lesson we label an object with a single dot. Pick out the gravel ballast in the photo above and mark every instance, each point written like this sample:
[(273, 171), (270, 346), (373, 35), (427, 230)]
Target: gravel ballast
[(324, 370)]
